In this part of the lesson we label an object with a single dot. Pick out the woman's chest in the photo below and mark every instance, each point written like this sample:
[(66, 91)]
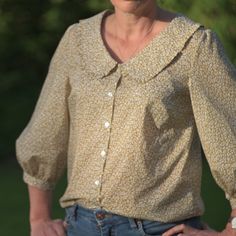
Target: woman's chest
[(163, 96)]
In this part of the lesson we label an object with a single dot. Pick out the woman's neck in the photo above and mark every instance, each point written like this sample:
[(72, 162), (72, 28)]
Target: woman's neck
[(133, 25)]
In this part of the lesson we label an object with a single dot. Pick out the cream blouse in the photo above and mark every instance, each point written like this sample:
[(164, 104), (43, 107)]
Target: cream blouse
[(130, 134)]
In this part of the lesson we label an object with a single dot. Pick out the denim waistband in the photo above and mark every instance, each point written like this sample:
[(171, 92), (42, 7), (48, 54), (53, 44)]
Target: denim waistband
[(92, 213)]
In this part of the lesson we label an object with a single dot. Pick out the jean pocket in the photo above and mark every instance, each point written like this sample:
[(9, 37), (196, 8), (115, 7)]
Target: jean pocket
[(194, 222), (153, 228), (157, 228), (70, 214)]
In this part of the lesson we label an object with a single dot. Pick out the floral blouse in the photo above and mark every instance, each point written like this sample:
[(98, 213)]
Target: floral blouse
[(130, 134)]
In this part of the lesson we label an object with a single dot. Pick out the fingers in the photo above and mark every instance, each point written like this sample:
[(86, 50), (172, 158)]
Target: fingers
[(206, 226), (181, 229), (50, 231), (174, 230), (48, 228), (59, 228), (65, 224)]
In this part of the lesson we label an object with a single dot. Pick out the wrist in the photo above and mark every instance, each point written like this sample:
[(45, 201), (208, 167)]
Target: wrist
[(40, 204), (233, 212), (40, 215), (39, 220)]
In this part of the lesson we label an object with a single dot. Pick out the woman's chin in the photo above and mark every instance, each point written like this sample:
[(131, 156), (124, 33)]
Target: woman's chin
[(128, 6)]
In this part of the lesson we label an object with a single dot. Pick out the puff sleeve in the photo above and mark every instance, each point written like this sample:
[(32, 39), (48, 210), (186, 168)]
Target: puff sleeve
[(212, 87), (41, 148)]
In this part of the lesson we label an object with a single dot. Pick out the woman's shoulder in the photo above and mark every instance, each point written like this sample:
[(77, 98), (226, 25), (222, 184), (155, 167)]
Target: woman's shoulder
[(204, 43), (93, 19), (200, 34), (87, 25)]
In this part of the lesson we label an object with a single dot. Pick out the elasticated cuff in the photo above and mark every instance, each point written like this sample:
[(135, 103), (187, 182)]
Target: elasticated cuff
[(28, 179), (232, 200)]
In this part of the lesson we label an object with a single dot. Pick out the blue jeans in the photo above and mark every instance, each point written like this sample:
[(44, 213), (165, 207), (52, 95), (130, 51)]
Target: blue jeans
[(99, 222)]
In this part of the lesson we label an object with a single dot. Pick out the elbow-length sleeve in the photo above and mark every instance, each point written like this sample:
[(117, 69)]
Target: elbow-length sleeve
[(41, 148), (212, 87)]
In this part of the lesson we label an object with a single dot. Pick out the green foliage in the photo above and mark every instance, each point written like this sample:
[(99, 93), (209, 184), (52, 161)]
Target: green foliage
[(218, 15), (14, 201), (30, 31), (29, 34)]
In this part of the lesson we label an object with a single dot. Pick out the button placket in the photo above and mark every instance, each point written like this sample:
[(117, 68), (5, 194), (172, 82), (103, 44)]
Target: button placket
[(107, 124), (110, 94), (103, 153)]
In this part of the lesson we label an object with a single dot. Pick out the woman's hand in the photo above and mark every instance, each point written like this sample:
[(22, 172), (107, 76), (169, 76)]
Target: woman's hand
[(48, 228), (184, 230), (41, 222)]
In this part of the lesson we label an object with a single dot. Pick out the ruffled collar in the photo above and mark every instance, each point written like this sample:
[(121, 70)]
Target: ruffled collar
[(159, 52)]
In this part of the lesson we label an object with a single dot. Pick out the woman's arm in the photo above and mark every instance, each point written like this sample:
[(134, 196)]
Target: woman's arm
[(40, 203), (212, 87), (41, 222), (41, 149)]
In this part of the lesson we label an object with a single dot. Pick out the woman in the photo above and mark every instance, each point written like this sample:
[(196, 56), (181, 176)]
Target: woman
[(126, 96)]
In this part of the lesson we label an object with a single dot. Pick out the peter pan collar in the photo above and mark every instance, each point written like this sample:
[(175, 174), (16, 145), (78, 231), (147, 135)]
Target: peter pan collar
[(148, 62)]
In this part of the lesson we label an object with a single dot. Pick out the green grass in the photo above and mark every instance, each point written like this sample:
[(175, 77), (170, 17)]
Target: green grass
[(217, 206), (14, 202), (15, 206)]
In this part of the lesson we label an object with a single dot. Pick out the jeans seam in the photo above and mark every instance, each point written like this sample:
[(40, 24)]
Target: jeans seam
[(140, 227)]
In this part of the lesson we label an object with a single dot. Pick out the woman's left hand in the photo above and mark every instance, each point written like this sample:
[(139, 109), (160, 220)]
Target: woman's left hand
[(185, 230)]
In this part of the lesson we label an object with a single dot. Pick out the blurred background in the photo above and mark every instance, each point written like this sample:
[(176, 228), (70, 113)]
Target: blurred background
[(29, 34)]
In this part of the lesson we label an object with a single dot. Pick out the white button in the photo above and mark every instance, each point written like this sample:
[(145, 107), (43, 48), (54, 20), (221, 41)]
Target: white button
[(109, 94), (107, 124), (103, 153), (97, 182)]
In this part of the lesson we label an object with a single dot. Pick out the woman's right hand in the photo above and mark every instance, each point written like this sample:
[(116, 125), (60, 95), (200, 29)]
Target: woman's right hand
[(55, 227)]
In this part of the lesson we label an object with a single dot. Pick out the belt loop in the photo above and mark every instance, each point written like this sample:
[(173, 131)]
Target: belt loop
[(139, 223), (135, 223), (76, 211), (132, 222)]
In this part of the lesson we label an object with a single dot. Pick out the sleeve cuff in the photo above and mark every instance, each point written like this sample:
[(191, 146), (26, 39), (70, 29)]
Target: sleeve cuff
[(28, 179), (232, 200)]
